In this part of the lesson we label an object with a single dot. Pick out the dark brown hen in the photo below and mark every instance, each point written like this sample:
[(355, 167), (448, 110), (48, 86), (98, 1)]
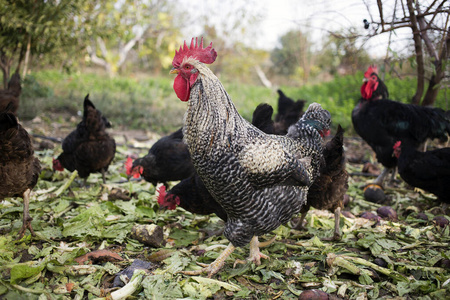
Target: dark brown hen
[(19, 168), (11, 95), (89, 148), (328, 190)]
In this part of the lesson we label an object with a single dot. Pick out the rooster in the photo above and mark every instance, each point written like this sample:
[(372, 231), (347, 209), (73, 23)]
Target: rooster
[(260, 180), (328, 190), (89, 148), (428, 170), (11, 94), (191, 193), (19, 168), (382, 122)]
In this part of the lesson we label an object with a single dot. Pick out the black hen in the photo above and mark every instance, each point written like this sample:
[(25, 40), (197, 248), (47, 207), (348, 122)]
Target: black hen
[(288, 113), (328, 190), (382, 122), (167, 160), (19, 168), (89, 148), (428, 170)]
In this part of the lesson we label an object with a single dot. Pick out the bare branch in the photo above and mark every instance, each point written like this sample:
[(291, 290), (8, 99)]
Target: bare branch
[(419, 54), (380, 10), (423, 26)]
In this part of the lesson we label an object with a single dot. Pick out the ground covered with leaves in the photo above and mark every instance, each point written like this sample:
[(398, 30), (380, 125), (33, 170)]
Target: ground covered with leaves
[(88, 244)]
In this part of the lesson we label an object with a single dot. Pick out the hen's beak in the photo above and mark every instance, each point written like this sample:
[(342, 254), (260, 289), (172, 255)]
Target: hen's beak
[(174, 71)]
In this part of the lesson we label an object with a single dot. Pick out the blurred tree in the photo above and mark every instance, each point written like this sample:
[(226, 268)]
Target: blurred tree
[(129, 24), (341, 54), (294, 56), (42, 27), (429, 23)]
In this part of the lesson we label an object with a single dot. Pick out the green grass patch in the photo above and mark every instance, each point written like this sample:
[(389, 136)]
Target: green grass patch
[(150, 102)]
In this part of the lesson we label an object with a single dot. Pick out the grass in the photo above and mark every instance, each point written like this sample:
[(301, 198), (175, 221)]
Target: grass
[(150, 102)]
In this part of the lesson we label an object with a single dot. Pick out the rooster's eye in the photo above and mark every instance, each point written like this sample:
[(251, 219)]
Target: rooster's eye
[(374, 78), (187, 67)]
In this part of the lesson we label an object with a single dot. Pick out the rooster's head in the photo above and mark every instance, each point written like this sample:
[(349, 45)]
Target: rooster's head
[(370, 82), (183, 65), (167, 201)]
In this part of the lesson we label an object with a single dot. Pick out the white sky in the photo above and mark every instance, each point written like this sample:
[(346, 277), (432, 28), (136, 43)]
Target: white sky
[(315, 16)]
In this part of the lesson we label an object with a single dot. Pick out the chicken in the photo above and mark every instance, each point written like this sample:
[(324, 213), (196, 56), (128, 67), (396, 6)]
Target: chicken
[(11, 94), (260, 180), (428, 170), (328, 190), (382, 122), (191, 193), (288, 113), (167, 160), (19, 168), (89, 148)]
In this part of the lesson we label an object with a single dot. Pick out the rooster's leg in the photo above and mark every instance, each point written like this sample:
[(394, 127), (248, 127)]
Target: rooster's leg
[(215, 266), (85, 182), (26, 215)]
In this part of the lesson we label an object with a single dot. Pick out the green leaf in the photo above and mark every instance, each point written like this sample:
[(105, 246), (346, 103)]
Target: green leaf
[(22, 271)]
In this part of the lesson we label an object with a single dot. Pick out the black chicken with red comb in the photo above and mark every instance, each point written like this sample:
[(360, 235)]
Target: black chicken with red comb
[(381, 122)]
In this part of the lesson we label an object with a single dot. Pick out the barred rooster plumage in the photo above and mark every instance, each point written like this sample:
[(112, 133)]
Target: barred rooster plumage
[(260, 180)]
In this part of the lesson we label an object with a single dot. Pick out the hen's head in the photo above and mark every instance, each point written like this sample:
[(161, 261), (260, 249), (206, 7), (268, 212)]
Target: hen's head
[(183, 65), (57, 165), (370, 82), (397, 149), (167, 201), (135, 171), (318, 118)]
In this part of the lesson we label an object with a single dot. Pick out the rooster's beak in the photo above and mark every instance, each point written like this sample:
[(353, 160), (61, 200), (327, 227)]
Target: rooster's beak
[(364, 79), (174, 71)]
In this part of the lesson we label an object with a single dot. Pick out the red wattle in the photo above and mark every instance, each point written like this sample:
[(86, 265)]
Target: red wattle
[(181, 87)]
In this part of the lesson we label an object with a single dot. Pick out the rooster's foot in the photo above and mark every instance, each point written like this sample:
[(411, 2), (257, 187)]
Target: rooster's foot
[(255, 255), (215, 266)]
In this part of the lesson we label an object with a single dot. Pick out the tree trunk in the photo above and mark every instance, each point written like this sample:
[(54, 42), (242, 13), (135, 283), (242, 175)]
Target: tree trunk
[(419, 54), (27, 58), (436, 78)]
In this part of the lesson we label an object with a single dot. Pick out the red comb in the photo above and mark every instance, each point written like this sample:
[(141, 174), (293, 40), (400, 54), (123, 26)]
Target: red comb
[(128, 166), (370, 70), (161, 194), (205, 55), (397, 145)]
